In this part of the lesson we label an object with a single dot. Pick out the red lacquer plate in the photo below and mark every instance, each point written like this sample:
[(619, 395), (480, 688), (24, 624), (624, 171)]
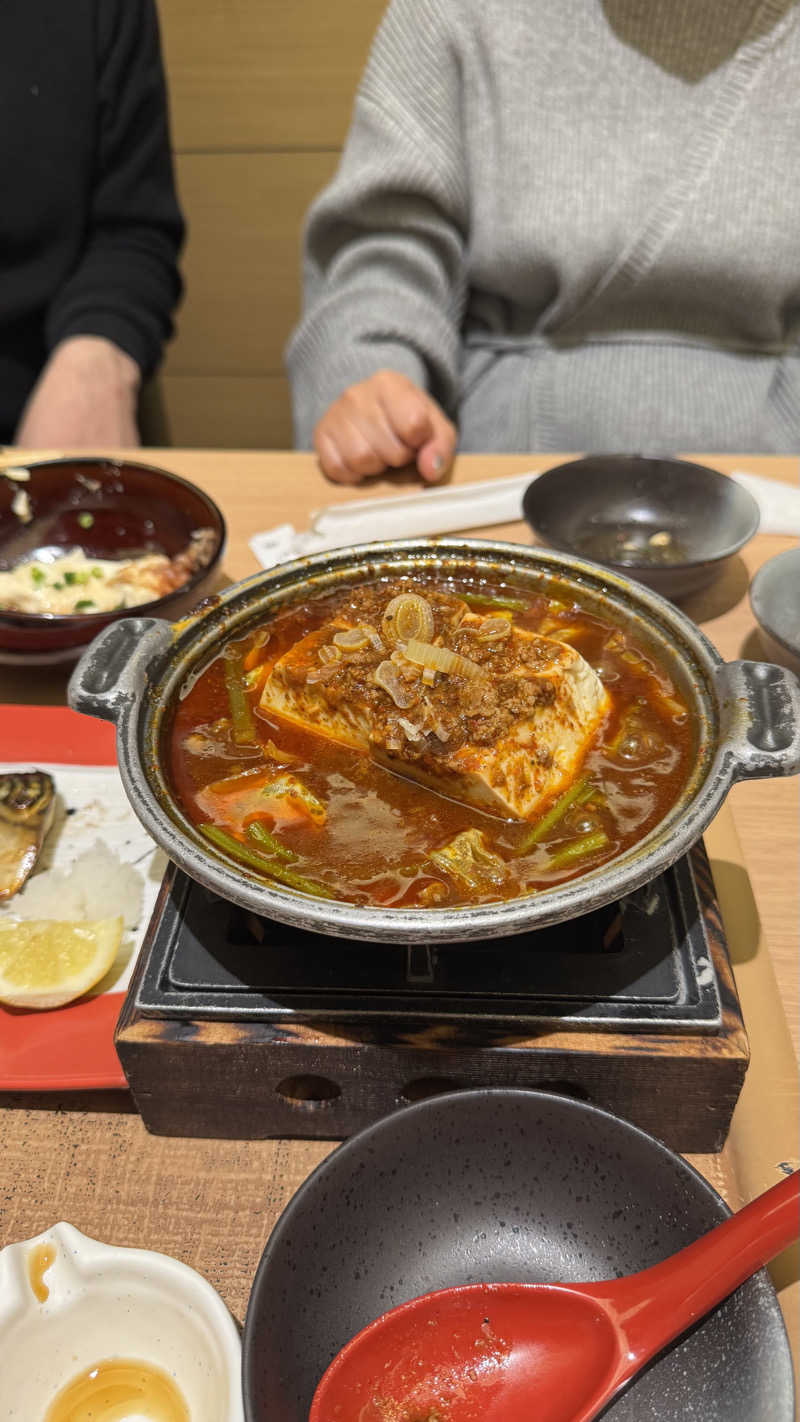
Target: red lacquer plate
[(72, 1048)]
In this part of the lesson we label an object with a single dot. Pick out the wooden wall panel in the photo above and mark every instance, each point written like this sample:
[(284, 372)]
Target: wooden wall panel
[(260, 95), (242, 262), (264, 73), (219, 412)]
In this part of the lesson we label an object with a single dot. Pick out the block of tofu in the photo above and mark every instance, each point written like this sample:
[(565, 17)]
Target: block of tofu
[(504, 725)]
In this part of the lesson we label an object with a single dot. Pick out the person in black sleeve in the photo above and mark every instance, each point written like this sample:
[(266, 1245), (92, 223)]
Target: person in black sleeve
[(90, 227)]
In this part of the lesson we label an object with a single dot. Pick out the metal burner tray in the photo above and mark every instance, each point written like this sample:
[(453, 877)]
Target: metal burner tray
[(641, 965), (236, 1026)]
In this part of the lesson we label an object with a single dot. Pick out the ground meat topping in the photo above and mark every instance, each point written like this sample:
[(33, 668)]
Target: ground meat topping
[(442, 712)]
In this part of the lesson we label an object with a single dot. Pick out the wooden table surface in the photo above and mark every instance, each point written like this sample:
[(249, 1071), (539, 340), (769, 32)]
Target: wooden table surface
[(89, 1160)]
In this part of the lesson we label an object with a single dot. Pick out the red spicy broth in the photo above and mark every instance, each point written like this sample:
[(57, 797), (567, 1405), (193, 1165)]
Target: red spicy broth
[(364, 834)]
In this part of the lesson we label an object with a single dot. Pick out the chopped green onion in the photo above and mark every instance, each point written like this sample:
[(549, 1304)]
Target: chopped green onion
[(237, 850), (577, 794), (38, 576), (233, 846), (288, 787), (244, 730), (70, 578), (84, 604), (512, 604), (254, 678), (262, 837), (578, 849), (299, 881), (85, 520), (626, 723), (59, 586), (97, 572), (467, 859)]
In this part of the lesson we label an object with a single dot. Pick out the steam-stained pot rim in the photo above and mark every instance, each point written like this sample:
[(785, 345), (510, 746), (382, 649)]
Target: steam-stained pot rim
[(748, 724)]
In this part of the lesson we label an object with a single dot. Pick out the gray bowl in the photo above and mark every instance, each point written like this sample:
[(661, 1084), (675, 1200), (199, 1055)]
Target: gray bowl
[(669, 524), (502, 1186), (775, 600)]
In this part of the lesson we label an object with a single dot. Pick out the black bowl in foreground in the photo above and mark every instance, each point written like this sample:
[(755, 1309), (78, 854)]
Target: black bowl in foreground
[(775, 600), (501, 1185), (668, 523), (111, 509)]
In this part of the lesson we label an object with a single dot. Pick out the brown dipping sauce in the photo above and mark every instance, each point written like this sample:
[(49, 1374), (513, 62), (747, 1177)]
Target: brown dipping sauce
[(116, 1389), (633, 546), (380, 829), (40, 1260)]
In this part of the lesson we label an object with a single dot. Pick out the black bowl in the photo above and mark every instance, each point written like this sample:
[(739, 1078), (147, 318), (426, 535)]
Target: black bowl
[(501, 1185), (775, 600), (668, 523), (133, 508)]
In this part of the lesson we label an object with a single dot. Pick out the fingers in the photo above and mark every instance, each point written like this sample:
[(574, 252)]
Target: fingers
[(407, 409), (436, 455), (423, 426), (383, 423), (351, 449), (331, 460)]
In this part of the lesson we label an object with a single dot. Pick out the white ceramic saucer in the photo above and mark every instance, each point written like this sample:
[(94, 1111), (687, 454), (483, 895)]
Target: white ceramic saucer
[(106, 1302)]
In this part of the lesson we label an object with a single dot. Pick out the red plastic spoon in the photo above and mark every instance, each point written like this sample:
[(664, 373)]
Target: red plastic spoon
[(556, 1352)]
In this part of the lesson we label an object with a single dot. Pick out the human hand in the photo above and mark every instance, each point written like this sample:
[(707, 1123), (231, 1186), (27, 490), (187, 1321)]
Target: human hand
[(383, 423), (85, 395)]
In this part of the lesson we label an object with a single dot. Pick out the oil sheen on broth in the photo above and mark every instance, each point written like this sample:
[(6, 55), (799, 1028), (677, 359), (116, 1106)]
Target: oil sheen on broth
[(430, 743)]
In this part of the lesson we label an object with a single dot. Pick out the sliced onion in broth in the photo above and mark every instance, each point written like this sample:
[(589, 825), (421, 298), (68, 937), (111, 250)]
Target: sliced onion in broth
[(407, 616), (387, 678), (442, 659)]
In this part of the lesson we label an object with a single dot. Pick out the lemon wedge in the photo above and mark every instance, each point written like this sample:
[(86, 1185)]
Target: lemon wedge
[(45, 963)]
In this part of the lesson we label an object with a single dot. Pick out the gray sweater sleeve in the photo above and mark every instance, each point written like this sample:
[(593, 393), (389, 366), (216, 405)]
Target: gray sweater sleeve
[(384, 269)]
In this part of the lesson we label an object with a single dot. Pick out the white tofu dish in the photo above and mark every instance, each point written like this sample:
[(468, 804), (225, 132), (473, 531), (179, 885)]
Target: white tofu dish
[(65, 582)]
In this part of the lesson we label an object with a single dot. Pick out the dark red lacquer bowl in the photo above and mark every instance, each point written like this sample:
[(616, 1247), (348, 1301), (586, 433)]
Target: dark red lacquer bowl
[(134, 509)]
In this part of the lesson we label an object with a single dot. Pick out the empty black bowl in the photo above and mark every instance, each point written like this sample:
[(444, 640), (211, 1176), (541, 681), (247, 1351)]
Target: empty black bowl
[(775, 600), (501, 1185), (110, 509), (668, 523)]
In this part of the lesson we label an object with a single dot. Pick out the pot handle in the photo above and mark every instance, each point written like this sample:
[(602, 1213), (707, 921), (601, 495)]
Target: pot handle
[(760, 718), (113, 670)]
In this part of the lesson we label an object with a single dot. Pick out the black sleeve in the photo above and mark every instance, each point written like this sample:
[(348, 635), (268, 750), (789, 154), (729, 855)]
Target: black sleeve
[(126, 283)]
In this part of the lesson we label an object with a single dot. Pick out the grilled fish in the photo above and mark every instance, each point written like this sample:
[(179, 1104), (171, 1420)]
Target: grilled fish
[(27, 804), (505, 736)]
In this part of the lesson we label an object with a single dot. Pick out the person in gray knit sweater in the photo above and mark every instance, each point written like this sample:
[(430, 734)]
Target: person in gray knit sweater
[(558, 225)]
